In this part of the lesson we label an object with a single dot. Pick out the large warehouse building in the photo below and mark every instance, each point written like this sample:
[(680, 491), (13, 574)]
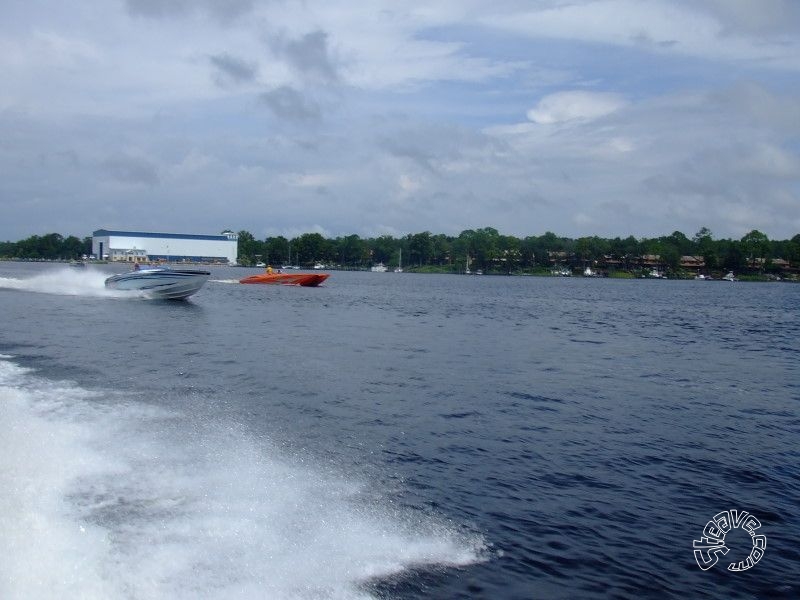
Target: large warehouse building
[(140, 246)]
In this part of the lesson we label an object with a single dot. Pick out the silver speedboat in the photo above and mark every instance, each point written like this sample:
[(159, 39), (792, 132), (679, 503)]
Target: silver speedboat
[(160, 282)]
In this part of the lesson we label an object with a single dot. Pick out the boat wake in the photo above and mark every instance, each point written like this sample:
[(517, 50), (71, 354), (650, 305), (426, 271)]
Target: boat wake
[(63, 282), (105, 496)]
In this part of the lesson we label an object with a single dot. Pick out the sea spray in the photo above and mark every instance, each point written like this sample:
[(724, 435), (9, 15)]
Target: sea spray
[(114, 498)]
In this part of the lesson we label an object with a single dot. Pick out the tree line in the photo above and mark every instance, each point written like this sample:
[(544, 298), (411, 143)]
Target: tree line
[(485, 249), (52, 246), (489, 250)]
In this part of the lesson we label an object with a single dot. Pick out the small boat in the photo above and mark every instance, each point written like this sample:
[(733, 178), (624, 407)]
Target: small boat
[(160, 282), (303, 279), (730, 277), (379, 268)]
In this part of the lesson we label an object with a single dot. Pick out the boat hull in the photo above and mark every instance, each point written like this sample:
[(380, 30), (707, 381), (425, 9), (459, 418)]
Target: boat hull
[(164, 284), (302, 279)]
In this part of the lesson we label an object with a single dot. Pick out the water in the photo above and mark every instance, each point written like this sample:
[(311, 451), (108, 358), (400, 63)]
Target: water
[(394, 436)]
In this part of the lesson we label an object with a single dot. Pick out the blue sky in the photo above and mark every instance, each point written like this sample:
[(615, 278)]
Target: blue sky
[(601, 117)]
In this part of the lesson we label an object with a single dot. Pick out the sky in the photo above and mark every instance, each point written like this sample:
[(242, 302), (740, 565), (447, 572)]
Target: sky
[(283, 117)]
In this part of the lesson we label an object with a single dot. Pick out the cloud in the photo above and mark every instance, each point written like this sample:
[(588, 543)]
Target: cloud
[(131, 170), (223, 10), (577, 105), (309, 55), (720, 30), (762, 18), (158, 8), (287, 103), (770, 161), (409, 147), (686, 159), (439, 149), (230, 70), (317, 181), (409, 184), (610, 117)]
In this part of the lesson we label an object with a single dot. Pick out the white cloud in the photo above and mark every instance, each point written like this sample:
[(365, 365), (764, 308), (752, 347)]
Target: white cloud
[(576, 105), (408, 184), (621, 145), (769, 160), (312, 180)]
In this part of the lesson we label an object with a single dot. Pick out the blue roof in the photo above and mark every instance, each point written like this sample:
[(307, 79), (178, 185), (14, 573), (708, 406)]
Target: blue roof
[(173, 236)]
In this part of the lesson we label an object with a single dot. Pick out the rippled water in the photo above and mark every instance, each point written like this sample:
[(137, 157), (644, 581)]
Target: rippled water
[(395, 436)]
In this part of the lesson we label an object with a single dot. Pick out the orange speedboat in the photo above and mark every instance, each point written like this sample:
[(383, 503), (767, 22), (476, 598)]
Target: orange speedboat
[(304, 279)]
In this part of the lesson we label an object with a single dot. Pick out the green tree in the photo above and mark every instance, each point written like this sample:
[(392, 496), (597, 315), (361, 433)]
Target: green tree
[(310, 248), (682, 245), (483, 246), (583, 250), (626, 250), (420, 248), (442, 249), (701, 236), (705, 247), (667, 253), (382, 249), (247, 248), (793, 252), (670, 256), (49, 246), (509, 253), (547, 243), (351, 250), (275, 250), (591, 249), (731, 255), (73, 248), (755, 246)]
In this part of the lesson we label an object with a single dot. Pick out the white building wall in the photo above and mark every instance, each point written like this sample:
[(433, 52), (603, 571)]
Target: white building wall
[(166, 247)]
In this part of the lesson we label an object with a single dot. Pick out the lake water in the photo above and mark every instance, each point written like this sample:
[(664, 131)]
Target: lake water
[(395, 436)]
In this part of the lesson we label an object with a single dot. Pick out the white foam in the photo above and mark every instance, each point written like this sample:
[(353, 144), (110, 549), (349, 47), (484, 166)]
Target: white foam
[(63, 282), (109, 498), (70, 282), (45, 551)]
